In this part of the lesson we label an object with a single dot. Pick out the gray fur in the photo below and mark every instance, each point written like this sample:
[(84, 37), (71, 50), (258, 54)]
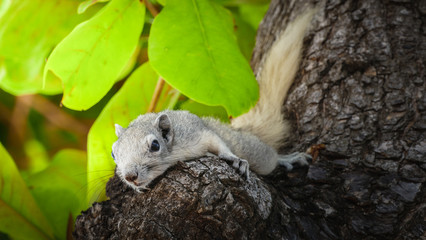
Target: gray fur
[(261, 157), (131, 150), (192, 137)]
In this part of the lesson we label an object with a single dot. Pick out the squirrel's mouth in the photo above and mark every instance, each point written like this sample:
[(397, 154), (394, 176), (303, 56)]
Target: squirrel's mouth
[(141, 180), (131, 181), (134, 183), (138, 185)]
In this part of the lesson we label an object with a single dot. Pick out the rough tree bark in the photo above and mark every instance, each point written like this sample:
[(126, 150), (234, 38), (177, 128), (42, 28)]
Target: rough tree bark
[(360, 91)]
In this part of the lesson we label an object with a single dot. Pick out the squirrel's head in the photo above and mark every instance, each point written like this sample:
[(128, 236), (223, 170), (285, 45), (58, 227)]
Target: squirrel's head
[(141, 149)]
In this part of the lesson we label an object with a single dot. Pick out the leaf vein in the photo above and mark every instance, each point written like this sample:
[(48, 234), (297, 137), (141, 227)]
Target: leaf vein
[(205, 39)]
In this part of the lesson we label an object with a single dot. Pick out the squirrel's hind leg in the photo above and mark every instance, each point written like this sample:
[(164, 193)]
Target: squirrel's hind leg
[(289, 160)]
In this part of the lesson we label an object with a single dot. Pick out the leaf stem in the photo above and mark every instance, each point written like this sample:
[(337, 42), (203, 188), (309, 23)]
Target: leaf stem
[(156, 95), (54, 114), (151, 8), (160, 82)]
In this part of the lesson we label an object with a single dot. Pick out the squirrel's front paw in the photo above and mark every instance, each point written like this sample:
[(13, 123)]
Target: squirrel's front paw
[(242, 166)]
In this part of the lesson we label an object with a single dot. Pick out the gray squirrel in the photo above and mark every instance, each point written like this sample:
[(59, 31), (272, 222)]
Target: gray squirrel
[(156, 141)]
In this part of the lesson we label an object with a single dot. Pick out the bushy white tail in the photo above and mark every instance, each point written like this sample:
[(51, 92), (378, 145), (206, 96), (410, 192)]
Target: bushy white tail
[(266, 120)]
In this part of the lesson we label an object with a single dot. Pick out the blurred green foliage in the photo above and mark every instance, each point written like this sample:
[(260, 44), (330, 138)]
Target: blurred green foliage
[(59, 57), (29, 30)]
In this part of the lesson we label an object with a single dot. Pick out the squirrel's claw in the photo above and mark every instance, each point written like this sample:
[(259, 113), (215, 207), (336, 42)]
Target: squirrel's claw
[(242, 166), (141, 189)]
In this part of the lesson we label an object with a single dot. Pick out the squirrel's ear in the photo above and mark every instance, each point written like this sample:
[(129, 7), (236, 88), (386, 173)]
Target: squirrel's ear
[(165, 126), (119, 130)]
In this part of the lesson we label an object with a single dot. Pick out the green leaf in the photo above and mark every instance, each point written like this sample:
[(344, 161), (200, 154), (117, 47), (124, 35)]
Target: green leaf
[(129, 102), (29, 30), (241, 2), (90, 59), (88, 3), (60, 189), (38, 158), (205, 111), (128, 67), (162, 2), (253, 14), (246, 35), (4, 6), (192, 45), (20, 216)]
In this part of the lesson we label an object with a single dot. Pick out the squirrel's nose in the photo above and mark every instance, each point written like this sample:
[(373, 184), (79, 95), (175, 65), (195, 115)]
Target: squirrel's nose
[(131, 177)]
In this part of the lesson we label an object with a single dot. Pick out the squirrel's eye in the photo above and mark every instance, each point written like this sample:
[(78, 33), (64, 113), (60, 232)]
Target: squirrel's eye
[(155, 146), (112, 155)]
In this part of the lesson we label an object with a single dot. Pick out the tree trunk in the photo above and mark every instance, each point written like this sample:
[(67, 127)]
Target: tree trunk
[(360, 91)]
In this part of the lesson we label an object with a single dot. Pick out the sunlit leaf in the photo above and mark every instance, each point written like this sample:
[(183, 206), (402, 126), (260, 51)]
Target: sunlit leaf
[(253, 14), (205, 111), (241, 2), (128, 67), (4, 5), (129, 102), (38, 158), (162, 2), (20, 216), (192, 45), (60, 189), (246, 35), (88, 3), (29, 30), (92, 56)]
